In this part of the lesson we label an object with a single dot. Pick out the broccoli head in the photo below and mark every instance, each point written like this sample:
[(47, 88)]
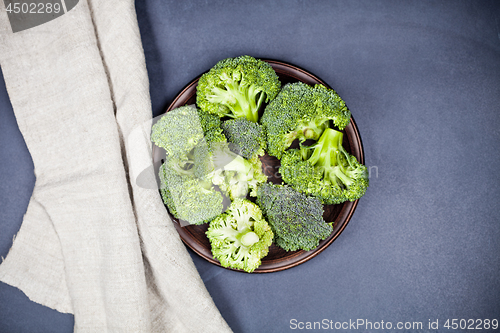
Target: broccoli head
[(211, 124), (295, 219), (240, 237), (237, 87), (187, 197), (185, 184), (247, 138), (302, 112), (325, 170), (178, 131)]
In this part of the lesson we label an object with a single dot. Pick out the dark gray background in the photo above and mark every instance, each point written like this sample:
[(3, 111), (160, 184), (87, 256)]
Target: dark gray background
[(422, 80)]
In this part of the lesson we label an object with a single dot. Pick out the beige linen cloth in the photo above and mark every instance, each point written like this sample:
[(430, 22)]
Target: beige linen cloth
[(93, 242)]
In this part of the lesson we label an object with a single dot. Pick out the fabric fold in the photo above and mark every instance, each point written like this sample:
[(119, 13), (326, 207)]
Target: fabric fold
[(37, 244), (93, 242)]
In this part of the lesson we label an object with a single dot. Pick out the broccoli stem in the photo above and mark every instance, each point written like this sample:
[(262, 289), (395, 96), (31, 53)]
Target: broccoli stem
[(238, 164), (339, 173), (241, 100), (307, 130), (314, 128), (327, 144), (248, 238), (327, 155), (245, 237), (183, 168), (254, 95)]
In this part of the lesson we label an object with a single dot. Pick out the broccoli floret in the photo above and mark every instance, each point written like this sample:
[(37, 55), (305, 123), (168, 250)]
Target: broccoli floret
[(209, 121), (237, 176), (185, 186), (187, 197), (237, 87), (212, 130), (240, 237), (247, 138), (302, 112), (295, 219), (178, 131), (325, 170)]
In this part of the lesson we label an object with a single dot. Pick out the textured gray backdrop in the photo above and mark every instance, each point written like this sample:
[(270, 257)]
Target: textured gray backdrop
[(422, 80)]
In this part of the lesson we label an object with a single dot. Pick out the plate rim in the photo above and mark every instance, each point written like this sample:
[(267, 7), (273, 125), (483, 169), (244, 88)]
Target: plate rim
[(294, 258)]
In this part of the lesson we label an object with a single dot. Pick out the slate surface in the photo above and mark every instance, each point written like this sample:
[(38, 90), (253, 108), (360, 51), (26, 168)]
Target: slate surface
[(422, 79)]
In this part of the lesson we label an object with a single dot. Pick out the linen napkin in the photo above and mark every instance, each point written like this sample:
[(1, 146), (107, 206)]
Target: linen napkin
[(93, 242)]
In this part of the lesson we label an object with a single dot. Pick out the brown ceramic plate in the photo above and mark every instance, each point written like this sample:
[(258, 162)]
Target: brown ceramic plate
[(277, 259)]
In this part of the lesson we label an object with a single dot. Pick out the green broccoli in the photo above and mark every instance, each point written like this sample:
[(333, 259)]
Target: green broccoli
[(187, 197), (325, 170), (185, 184), (237, 87), (240, 237), (235, 175), (247, 138), (212, 130), (295, 219), (302, 112), (178, 143)]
